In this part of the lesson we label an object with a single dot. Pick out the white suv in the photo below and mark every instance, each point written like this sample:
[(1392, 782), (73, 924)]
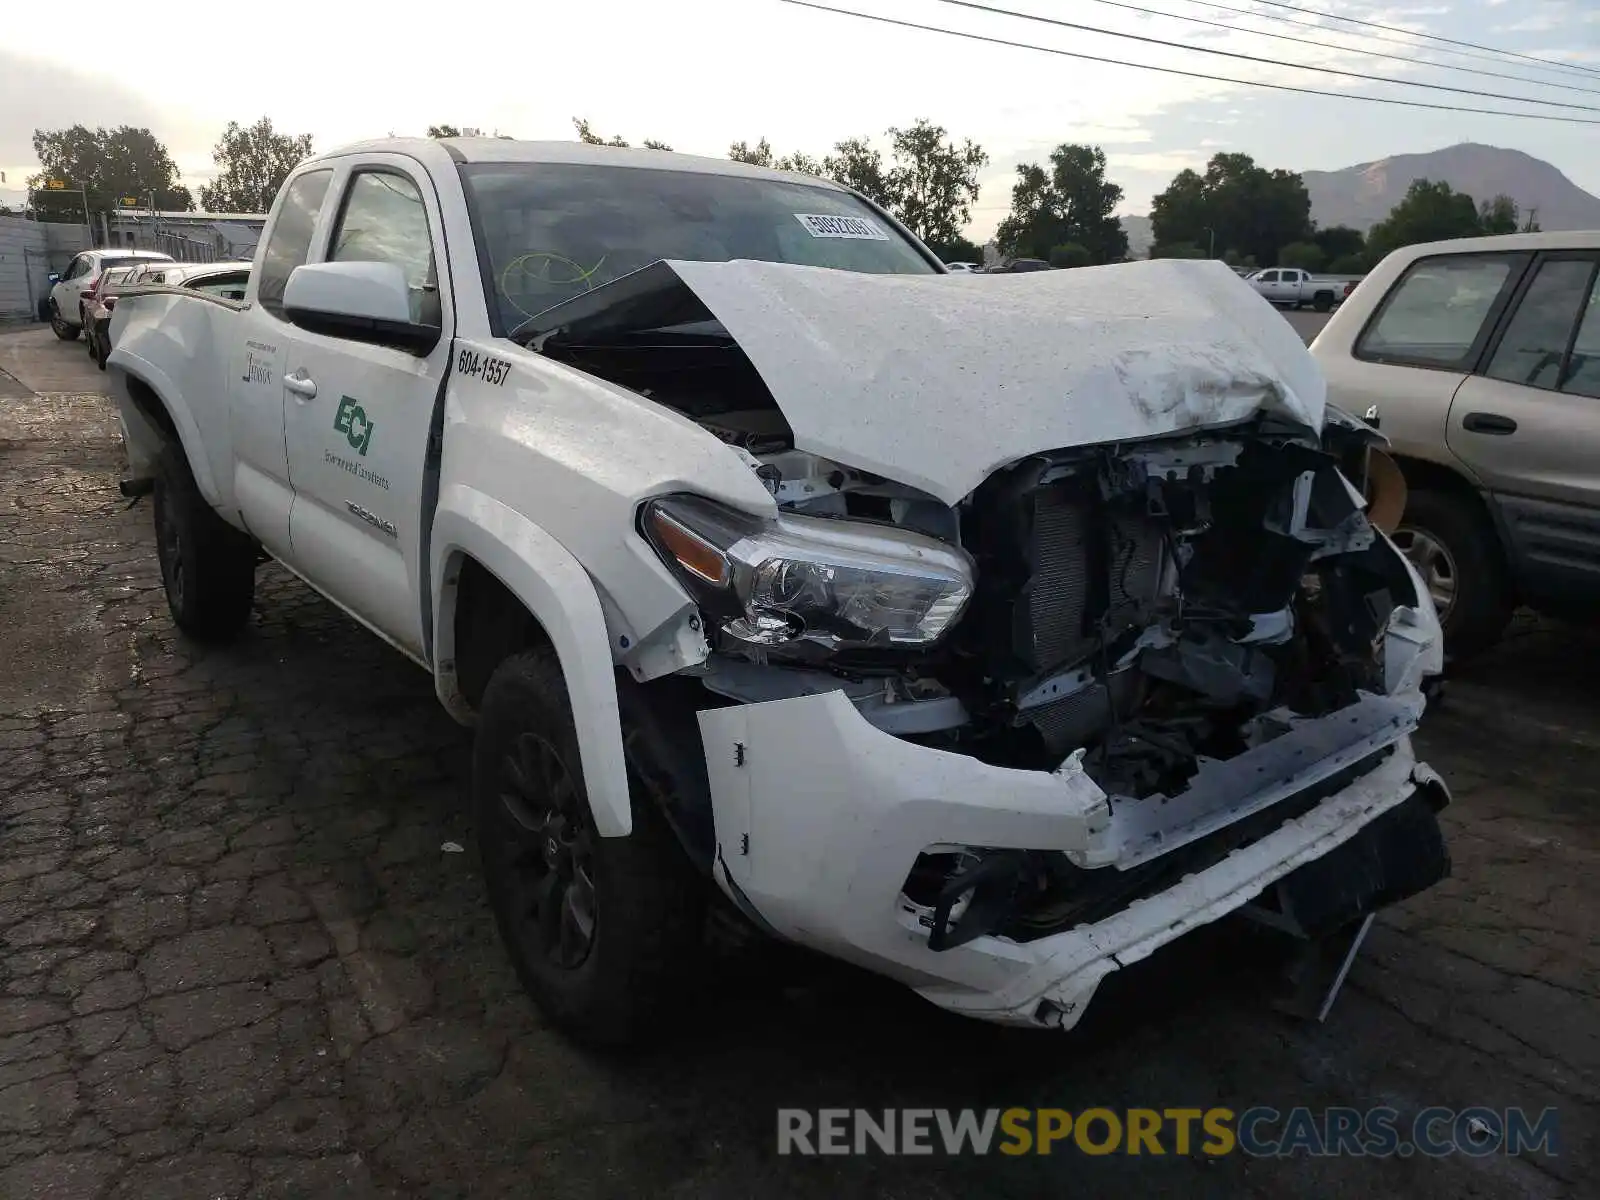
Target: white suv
[(68, 291)]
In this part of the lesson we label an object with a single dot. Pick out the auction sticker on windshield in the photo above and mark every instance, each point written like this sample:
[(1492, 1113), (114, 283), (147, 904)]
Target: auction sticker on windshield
[(821, 225)]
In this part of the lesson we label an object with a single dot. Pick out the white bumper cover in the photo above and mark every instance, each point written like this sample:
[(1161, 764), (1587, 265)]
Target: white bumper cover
[(820, 817)]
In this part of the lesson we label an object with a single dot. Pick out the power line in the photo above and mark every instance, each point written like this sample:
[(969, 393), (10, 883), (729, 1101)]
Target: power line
[(1289, 37), (1256, 58), (1432, 37), (1118, 62), (1493, 56)]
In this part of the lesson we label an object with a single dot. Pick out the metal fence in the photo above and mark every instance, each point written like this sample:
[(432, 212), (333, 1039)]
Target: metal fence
[(184, 249), (24, 268)]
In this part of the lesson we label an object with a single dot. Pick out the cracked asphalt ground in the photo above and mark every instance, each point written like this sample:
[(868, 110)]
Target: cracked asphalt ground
[(236, 961)]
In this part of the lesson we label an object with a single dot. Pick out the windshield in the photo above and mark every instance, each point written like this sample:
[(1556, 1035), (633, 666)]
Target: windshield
[(550, 231)]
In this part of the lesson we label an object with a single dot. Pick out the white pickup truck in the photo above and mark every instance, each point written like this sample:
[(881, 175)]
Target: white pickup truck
[(988, 638), (1298, 288)]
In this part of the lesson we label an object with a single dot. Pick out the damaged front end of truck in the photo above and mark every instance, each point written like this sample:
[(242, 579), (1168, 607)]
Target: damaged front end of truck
[(1042, 663)]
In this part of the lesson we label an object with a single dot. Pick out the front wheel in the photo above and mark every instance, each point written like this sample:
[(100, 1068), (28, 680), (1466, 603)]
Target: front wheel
[(1451, 543), (208, 568), (59, 327), (604, 932)]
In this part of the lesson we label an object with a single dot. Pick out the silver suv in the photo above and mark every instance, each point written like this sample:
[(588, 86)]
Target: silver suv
[(1480, 360)]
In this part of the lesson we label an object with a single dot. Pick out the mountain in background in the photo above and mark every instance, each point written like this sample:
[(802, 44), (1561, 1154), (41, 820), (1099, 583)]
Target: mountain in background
[(1362, 195), (1140, 235)]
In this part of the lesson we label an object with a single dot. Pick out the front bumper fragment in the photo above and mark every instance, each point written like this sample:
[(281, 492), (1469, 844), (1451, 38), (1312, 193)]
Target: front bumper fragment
[(820, 817)]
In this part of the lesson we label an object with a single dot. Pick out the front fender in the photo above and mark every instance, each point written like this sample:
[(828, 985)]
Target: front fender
[(558, 592)]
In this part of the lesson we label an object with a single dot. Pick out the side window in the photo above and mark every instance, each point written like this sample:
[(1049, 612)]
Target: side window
[(1268, 277), (384, 220), (1534, 345), (77, 267), (290, 243), (1583, 369), (1438, 310)]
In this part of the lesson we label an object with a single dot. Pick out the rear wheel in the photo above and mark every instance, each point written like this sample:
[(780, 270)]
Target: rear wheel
[(1323, 301), (1450, 542), (208, 567), (604, 932), (58, 326)]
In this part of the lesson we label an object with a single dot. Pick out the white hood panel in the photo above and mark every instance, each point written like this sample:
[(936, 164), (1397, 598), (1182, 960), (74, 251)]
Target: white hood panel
[(936, 381)]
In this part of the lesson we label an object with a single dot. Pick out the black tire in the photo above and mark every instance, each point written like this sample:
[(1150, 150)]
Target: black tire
[(546, 870), (1322, 301), (1481, 598), (208, 568), (59, 327)]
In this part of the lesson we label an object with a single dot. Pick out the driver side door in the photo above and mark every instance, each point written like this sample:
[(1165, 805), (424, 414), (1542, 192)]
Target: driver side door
[(358, 411)]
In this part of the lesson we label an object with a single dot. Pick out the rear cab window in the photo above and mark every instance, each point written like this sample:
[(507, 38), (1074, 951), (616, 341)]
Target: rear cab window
[(1441, 311), (290, 243)]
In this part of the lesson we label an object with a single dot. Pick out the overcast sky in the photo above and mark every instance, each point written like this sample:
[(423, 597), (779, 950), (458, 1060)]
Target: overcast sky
[(702, 73)]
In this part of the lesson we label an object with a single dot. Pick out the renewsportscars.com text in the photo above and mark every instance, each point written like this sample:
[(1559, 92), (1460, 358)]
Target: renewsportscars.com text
[(1260, 1131)]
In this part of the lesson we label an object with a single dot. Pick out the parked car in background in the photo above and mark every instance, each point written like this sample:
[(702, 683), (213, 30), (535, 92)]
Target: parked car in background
[(98, 302), (1296, 288), (962, 268), (226, 280), (67, 291), (1018, 265), (1480, 360)]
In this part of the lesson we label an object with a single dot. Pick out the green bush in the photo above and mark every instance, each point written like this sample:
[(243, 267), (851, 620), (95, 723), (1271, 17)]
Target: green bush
[(1070, 254)]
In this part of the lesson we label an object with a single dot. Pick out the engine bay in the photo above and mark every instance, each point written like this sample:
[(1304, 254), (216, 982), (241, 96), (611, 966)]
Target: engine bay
[(1149, 607)]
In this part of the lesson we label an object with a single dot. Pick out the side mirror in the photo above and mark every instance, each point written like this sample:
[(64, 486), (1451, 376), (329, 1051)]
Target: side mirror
[(363, 301), (54, 277)]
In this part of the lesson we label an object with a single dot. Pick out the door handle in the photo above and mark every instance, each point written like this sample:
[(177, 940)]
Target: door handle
[(1480, 422), (301, 384)]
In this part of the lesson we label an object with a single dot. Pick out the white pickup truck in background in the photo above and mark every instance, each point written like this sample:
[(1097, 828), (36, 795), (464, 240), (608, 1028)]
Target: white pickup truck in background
[(987, 638), (1297, 288)]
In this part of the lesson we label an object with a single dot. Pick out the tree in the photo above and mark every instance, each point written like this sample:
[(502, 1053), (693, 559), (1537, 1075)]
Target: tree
[(857, 164), (1350, 264), (1307, 256), (1070, 202), (443, 131), (1339, 241), (799, 162), (1235, 205), (108, 165), (933, 182), (759, 155), (1498, 215), (1531, 224), (1430, 212), (1176, 250), (1069, 254), (252, 164), (589, 137), (957, 249)]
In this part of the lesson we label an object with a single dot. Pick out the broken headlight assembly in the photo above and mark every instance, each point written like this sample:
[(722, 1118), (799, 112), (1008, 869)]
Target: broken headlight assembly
[(811, 581)]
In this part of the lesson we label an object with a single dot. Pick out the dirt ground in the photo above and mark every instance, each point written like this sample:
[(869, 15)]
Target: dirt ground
[(237, 957)]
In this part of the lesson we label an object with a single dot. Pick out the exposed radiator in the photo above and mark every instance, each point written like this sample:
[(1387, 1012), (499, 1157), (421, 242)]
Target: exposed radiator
[(1058, 591)]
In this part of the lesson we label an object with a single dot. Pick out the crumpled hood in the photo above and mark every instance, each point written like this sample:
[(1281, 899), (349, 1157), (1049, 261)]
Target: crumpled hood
[(937, 381)]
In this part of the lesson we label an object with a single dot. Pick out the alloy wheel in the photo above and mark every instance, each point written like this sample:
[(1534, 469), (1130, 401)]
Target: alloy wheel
[(1434, 562), (547, 848), (170, 538)]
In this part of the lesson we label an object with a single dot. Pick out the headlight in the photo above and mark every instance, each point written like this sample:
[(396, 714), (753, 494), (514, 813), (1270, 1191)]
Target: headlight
[(807, 579)]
